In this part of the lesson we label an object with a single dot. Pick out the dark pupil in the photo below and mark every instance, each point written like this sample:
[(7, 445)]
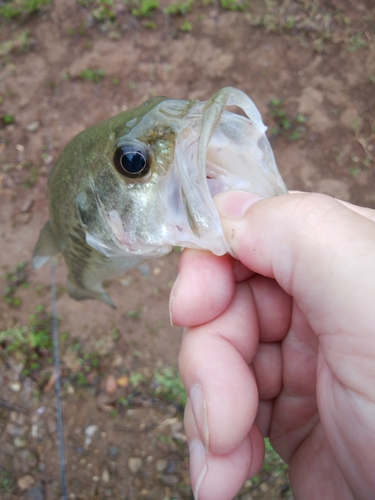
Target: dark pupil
[(133, 162)]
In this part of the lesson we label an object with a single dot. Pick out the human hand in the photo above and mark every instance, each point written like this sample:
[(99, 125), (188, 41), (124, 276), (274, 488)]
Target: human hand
[(281, 342)]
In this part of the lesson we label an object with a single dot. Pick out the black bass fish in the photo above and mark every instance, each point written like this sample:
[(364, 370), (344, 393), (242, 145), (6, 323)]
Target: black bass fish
[(132, 187)]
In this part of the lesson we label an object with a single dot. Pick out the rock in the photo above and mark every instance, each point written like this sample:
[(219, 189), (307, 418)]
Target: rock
[(91, 430), (25, 482), (135, 464), (19, 442), (123, 381), (171, 467), (113, 451), (264, 487), (110, 384), (15, 386), (105, 476), (32, 126), (35, 430), (161, 465), (89, 434), (170, 480), (246, 496)]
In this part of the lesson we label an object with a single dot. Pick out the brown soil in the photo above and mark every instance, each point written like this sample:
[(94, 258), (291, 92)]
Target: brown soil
[(321, 65)]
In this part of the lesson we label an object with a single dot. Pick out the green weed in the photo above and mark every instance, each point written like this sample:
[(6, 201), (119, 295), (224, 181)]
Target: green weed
[(134, 313), (33, 343), (7, 481), (292, 126), (14, 279), (137, 379), (14, 8), (7, 119), (20, 42), (92, 75), (169, 386), (104, 11), (32, 177), (150, 25), (179, 8), (233, 4), (186, 27), (273, 465), (144, 8), (356, 42)]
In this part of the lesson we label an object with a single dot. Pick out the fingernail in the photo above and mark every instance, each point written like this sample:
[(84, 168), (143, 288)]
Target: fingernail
[(198, 405), (233, 205), (198, 464), (172, 296)]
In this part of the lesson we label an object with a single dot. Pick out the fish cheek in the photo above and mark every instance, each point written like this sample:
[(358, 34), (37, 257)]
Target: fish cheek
[(87, 209)]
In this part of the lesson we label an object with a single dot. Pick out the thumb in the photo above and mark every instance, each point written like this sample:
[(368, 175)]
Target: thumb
[(297, 237)]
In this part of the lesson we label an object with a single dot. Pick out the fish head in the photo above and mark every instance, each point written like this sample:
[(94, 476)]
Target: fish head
[(154, 181)]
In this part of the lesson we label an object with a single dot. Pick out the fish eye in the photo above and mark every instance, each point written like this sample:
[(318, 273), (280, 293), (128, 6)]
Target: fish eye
[(131, 160)]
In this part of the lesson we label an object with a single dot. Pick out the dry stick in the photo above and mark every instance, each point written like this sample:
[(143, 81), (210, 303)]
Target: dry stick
[(56, 360), (9, 407)]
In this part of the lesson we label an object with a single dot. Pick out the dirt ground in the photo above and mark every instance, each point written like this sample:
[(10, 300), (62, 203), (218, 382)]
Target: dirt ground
[(310, 68)]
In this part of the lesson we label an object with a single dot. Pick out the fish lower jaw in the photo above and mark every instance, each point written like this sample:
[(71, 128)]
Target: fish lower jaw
[(217, 185)]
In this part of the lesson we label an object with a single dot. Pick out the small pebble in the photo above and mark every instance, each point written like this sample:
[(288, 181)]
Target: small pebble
[(123, 381), (161, 465), (172, 466), (264, 487), (113, 451), (19, 442), (15, 386), (135, 464), (246, 496), (32, 126), (25, 482), (110, 384), (35, 431), (169, 480), (90, 430), (89, 433), (105, 476)]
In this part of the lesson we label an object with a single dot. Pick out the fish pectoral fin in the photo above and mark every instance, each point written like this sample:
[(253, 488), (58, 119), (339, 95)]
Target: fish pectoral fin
[(45, 248), (79, 292)]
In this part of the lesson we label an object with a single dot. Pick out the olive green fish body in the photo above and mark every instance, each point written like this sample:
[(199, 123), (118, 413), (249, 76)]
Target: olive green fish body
[(132, 187)]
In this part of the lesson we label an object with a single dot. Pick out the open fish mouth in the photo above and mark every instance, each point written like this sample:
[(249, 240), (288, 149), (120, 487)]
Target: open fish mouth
[(222, 151), (215, 150)]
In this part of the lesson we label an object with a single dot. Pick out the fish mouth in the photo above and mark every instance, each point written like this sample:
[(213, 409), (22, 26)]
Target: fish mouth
[(229, 151)]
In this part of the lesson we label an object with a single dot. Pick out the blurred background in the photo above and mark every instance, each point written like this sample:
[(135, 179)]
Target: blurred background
[(309, 65)]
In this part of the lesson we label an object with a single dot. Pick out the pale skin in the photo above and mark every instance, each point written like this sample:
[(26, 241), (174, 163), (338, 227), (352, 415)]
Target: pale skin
[(280, 342)]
